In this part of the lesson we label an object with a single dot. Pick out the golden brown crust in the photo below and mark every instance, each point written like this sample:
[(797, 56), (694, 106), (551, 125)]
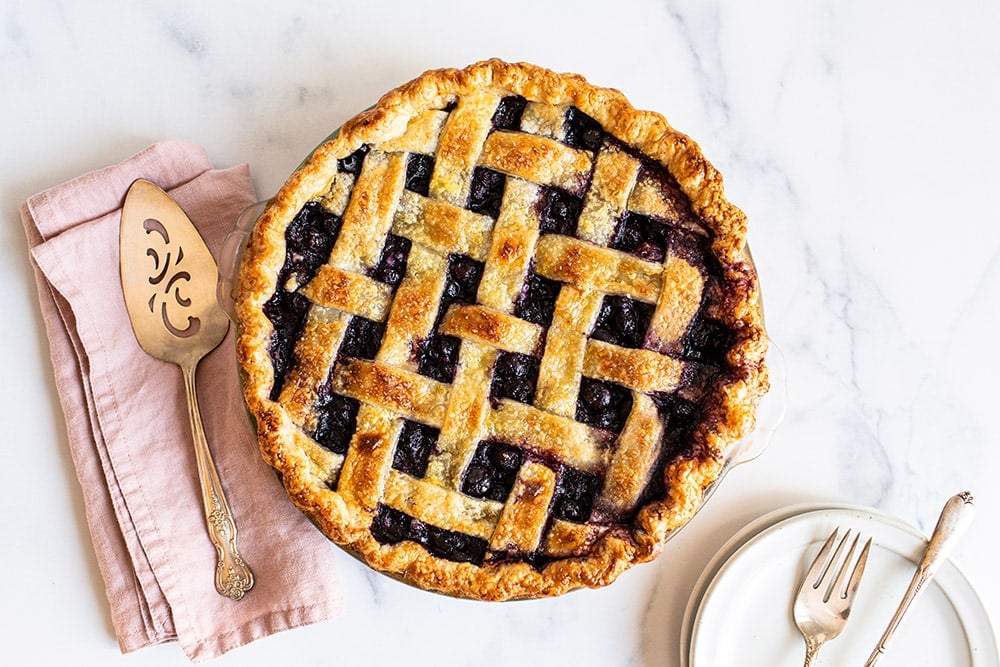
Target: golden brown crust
[(408, 118)]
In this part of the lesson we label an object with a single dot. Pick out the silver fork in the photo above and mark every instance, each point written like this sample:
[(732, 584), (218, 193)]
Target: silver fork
[(826, 596)]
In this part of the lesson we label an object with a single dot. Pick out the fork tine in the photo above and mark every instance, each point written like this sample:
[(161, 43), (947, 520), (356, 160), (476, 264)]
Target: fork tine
[(859, 570), (831, 581), (818, 568), (837, 585)]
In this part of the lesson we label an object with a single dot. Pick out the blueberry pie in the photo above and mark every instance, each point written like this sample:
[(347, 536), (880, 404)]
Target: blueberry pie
[(498, 333)]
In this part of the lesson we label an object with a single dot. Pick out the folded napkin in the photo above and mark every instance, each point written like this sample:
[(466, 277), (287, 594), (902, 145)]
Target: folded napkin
[(130, 437)]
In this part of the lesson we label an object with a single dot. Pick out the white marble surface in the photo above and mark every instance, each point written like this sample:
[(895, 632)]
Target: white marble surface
[(860, 138)]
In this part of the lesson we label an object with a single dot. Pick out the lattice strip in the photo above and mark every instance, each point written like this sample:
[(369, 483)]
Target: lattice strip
[(653, 197), (679, 303), (615, 173), (526, 511), (370, 211), (492, 328), (636, 451), (411, 317), (337, 196), (418, 397), (638, 369), (441, 507), (421, 136), (350, 292), (512, 246), (546, 120), (605, 270), (369, 457), (442, 226), (314, 354), (565, 344), (537, 159), (465, 417), (459, 146), (323, 463), (566, 440)]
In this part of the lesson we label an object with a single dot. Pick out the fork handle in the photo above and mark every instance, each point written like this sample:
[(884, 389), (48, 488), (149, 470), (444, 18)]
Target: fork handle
[(812, 649), (954, 519), (233, 577)]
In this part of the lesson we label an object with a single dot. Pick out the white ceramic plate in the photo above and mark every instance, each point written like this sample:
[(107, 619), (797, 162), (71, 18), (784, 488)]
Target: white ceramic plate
[(741, 611)]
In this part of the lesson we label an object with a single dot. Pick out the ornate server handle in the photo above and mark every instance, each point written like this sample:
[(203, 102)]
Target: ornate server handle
[(233, 577)]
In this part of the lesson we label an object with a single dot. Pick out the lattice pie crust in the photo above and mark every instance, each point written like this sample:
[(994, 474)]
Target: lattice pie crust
[(498, 333)]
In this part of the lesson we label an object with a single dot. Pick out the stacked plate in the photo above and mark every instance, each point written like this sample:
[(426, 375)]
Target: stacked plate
[(740, 612)]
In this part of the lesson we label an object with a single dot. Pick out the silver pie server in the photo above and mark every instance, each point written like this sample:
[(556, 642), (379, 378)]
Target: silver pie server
[(169, 280), (955, 518)]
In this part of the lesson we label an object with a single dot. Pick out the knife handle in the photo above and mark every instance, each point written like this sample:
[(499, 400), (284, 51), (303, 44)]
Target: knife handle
[(233, 577), (954, 519)]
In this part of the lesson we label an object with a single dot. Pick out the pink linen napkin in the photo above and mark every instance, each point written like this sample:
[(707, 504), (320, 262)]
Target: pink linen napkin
[(129, 432)]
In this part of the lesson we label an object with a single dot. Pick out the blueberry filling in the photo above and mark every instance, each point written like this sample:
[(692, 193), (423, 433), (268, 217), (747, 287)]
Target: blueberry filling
[(455, 546), (413, 448), (693, 250), (390, 526), (558, 212), (680, 416), (486, 191), (514, 376), (696, 380), (309, 239), (461, 283), (508, 113), (582, 131), (362, 338), (419, 168), (623, 321), (603, 405), (352, 163), (642, 236), (537, 302), (707, 341), (438, 357), (574, 495), (492, 471), (392, 264), (287, 312), (336, 420)]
